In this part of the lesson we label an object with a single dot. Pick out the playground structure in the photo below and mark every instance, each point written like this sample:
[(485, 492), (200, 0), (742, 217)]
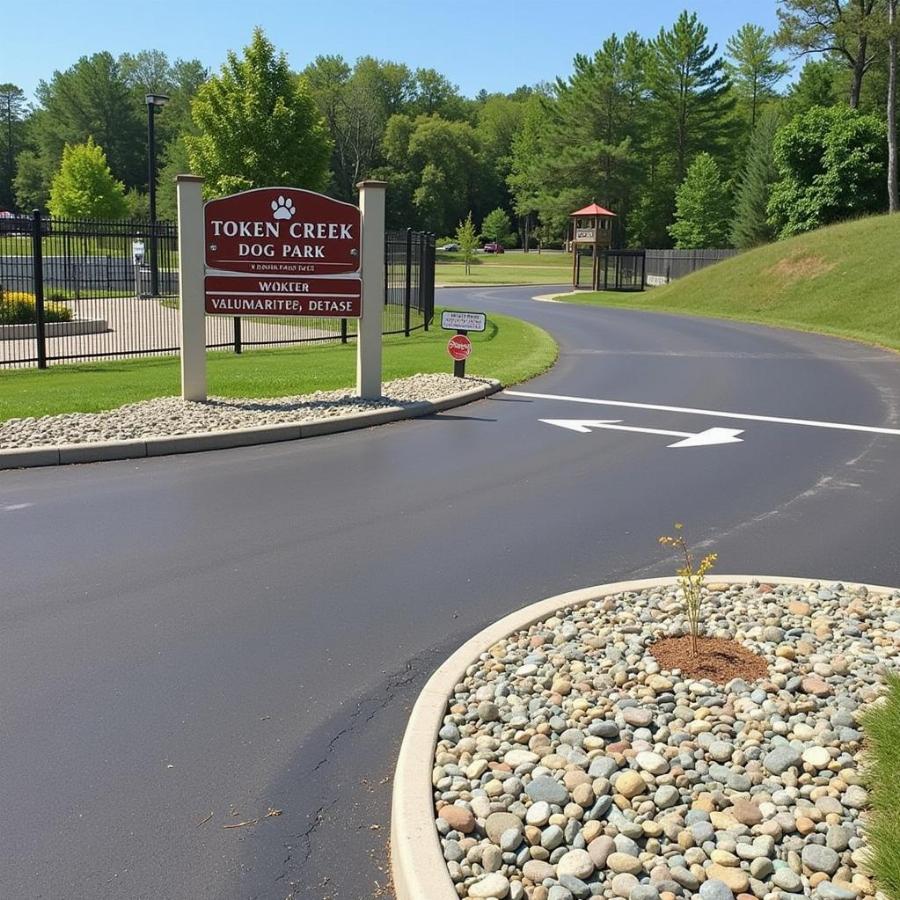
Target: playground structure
[(596, 266)]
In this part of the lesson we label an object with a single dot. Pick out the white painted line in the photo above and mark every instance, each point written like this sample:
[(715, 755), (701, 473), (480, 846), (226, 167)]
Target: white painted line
[(745, 417), (701, 439), (12, 507)]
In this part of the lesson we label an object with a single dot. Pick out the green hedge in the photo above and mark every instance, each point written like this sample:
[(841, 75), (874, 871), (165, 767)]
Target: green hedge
[(18, 308)]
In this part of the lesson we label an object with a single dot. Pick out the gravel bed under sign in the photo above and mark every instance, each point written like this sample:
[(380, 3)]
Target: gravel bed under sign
[(569, 765), (168, 416)]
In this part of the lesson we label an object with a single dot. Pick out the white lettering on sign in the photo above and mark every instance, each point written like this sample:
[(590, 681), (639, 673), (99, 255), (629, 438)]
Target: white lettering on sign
[(455, 320), (284, 287), (278, 305), (331, 231)]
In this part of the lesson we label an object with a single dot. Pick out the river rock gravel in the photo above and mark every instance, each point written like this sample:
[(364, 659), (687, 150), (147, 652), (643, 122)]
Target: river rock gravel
[(597, 774), (169, 416)]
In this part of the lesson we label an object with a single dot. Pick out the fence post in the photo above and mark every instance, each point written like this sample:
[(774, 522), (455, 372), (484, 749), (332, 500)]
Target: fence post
[(368, 342), (427, 303), (37, 271), (407, 300), (422, 281), (343, 331), (237, 334)]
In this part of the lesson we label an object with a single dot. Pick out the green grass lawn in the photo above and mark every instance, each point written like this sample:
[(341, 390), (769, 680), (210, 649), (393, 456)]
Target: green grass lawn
[(512, 267), (58, 243), (882, 727), (509, 350), (839, 280)]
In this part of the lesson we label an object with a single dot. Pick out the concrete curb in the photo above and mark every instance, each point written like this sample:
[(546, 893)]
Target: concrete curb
[(65, 454), (551, 298), (417, 863), (54, 329), (493, 284)]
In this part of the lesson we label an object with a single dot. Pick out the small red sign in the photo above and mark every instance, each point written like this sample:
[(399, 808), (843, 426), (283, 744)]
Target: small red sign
[(254, 295), (459, 347), (282, 231)]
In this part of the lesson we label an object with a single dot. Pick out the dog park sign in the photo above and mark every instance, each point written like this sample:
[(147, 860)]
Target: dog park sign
[(280, 252)]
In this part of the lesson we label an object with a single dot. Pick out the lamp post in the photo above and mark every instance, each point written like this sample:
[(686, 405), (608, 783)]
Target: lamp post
[(154, 102)]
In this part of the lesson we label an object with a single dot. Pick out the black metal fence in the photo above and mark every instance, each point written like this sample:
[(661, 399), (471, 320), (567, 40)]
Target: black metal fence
[(96, 276), (664, 266)]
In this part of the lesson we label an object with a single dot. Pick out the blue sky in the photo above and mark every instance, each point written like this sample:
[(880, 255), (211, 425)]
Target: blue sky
[(491, 45)]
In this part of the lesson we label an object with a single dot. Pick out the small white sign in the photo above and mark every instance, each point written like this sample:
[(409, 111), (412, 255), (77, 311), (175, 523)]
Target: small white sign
[(454, 320), (137, 251)]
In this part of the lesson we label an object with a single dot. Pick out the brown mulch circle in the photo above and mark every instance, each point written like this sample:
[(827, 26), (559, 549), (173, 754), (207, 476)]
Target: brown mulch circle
[(718, 659)]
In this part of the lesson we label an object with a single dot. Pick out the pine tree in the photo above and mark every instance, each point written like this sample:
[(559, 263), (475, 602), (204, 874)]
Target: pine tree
[(753, 68), (12, 115), (690, 91), (750, 226), (84, 187), (258, 126), (702, 207)]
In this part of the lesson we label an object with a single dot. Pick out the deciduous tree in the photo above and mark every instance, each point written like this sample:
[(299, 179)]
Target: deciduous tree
[(831, 164), (702, 207), (84, 186), (258, 125), (496, 226), (467, 238)]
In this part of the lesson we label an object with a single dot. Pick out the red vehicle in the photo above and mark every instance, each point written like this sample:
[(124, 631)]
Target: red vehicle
[(493, 247)]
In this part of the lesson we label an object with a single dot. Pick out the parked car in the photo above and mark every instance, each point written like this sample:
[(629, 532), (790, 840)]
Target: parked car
[(449, 248), (493, 247)]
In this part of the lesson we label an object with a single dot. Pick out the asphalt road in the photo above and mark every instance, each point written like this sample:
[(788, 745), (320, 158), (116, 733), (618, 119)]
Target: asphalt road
[(232, 632)]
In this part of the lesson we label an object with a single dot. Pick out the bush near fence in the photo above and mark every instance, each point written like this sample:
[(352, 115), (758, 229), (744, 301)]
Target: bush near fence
[(19, 308)]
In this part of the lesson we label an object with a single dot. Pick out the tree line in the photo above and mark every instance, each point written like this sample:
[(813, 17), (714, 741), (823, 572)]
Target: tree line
[(689, 145)]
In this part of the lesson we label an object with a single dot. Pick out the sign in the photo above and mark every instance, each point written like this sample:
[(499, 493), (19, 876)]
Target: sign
[(454, 320), (282, 231), (585, 234), (255, 295), (459, 347)]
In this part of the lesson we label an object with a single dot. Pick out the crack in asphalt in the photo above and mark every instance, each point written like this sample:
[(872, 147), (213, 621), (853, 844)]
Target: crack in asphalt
[(300, 848)]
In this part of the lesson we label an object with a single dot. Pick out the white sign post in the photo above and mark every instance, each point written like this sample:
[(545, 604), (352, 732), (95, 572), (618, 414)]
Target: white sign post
[(246, 254), (368, 347), (191, 269)]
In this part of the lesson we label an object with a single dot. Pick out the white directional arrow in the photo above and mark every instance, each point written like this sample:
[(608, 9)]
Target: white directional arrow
[(700, 439)]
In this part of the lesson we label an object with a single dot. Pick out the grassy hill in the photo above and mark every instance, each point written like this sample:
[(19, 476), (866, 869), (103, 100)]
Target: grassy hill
[(842, 280)]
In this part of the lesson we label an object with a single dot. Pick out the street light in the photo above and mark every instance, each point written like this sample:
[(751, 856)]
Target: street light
[(154, 102)]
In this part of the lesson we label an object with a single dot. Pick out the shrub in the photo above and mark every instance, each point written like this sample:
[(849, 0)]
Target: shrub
[(690, 579), (18, 308), (881, 724)]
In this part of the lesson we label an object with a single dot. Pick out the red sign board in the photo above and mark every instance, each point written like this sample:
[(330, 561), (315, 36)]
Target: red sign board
[(255, 295), (459, 347), (282, 231)]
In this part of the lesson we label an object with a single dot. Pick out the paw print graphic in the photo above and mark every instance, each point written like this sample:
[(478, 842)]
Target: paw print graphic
[(283, 208)]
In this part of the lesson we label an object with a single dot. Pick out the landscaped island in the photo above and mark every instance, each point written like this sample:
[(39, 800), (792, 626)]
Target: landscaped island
[(572, 763)]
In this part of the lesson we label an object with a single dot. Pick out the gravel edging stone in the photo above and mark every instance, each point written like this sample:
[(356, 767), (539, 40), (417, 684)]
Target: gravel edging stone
[(628, 781), (171, 425)]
